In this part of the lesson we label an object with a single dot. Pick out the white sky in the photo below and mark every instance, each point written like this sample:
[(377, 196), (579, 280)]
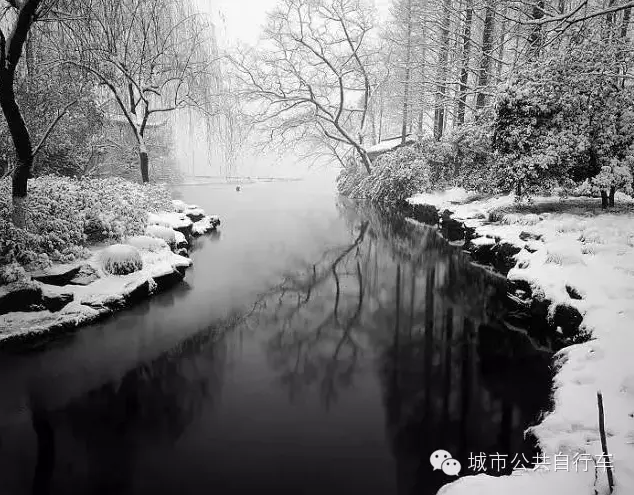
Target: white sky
[(242, 20)]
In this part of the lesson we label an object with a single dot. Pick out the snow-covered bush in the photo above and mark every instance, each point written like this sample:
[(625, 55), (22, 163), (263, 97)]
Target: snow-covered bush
[(147, 243), (462, 160), (165, 233), (396, 175), (120, 259), (553, 128), (55, 224), (65, 215), (12, 272), (115, 208)]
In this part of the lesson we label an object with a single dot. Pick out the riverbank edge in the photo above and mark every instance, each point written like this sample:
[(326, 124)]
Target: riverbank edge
[(62, 304), (571, 428)]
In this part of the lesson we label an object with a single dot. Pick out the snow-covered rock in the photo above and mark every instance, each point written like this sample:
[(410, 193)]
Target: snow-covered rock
[(120, 259), (172, 220), (202, 226), (194, 214), (149, 243), (19, 296), (167, 234), (207, 224), (181, 240), (60, 274), (112, 279), (179, 206)]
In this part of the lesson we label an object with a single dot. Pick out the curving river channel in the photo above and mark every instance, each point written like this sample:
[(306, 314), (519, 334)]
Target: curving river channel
[(316, 347)]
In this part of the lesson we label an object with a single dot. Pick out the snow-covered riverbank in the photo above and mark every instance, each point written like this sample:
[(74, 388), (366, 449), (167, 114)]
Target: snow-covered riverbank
[(572, 255), (66, 296)]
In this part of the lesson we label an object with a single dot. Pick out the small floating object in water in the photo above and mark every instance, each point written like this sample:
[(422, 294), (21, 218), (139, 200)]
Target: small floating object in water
[(238, 188)]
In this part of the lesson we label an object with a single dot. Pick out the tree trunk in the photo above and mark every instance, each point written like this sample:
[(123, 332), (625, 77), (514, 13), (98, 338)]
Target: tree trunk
[(485, 61), (23, 151), (604, 199), (439, 113), (144, 161), (365, 159), (624, 25), (611, 197), (535, 38), (406, 82), (502, 44), (423, 68), (464, 71)]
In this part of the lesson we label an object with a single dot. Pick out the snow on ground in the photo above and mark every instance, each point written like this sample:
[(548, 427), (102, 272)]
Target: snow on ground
[(110, 288), (90, 301), (581, 256), (127, 271)]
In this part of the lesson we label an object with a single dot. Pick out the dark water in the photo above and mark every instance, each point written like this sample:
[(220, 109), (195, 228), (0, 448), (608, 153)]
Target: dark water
[(316, 347)]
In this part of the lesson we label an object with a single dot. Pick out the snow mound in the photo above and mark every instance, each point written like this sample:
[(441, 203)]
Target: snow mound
[(179, 206), (160, 232), (120, 259), (171, 220), (148, 243)]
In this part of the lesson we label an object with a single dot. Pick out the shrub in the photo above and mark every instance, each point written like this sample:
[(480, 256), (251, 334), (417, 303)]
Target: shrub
[(464, 160), (65, 215), (396, 175), (12, 273), (120, 259), (553, 128)]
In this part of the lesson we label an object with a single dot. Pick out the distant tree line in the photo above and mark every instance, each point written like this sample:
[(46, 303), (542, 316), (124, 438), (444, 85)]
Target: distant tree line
[(517, 95)]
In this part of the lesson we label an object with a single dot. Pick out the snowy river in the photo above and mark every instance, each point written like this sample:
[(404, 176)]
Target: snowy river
[(316, 347)]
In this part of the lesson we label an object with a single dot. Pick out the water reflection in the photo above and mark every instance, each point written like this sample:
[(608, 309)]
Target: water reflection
[(400, 300), (348, 372)]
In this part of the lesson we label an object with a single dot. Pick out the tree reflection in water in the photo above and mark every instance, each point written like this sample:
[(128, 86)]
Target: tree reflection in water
[(402, 300), (123, 421), (396, 303)]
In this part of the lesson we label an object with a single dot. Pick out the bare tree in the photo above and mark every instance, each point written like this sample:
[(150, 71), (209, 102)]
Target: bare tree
[(150, 56), (313, 71)]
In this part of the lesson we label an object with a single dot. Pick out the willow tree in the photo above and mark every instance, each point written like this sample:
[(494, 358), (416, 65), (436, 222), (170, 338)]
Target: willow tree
[(148, 54)]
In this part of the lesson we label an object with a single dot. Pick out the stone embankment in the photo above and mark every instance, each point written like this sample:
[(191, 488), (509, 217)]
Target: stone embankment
[(65, 297)]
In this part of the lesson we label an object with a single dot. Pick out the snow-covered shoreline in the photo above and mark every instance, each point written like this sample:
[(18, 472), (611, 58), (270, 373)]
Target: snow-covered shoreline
[(571, 254), (65, 297)]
